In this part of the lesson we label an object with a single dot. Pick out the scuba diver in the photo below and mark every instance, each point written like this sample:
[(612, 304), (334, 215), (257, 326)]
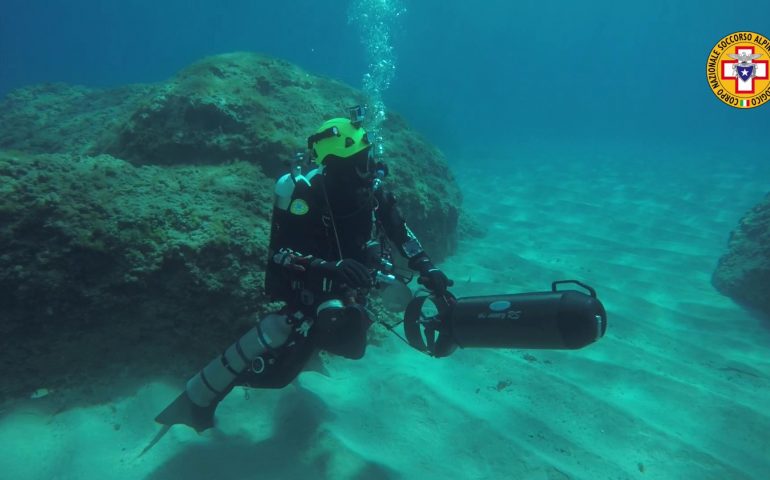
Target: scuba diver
[(330, 244)]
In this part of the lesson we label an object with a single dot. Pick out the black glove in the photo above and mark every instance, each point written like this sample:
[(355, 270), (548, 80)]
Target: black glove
[(431, 277), (347, 271)]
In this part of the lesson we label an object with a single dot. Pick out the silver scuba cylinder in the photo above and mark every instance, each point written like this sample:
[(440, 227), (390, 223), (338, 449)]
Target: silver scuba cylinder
[(284, 186), (208, 384)]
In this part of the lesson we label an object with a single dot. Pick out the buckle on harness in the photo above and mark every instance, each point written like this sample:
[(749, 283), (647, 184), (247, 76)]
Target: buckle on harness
[(258, 365)]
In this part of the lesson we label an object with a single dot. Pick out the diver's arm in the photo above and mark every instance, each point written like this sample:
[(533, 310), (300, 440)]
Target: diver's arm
[(398, 232), (305, 268), (348, 271), (408, 244)]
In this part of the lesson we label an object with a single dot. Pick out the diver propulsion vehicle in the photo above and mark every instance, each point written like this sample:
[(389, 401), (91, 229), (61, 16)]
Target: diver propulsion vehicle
[(435, 325), (555, 319)]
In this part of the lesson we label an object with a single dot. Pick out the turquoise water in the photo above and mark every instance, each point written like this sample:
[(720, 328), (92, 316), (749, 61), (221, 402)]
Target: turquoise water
[(470, 75), (587, 144)]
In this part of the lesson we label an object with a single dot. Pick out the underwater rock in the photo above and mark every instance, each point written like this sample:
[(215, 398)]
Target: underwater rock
[(105, 266), (53, 118), (238, 106), (743, 273), (134, 222), (231, 107)]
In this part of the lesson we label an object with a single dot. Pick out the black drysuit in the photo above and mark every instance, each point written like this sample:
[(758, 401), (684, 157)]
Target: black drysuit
[(330, 218)]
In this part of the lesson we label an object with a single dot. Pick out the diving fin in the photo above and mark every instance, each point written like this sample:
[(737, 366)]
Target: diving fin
[(184, 411)]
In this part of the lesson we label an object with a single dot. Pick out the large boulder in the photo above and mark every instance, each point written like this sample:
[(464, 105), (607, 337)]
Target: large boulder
[(743, 273), (230, 107), (233, 107), (106, 267), (53, 117), (134, 221)]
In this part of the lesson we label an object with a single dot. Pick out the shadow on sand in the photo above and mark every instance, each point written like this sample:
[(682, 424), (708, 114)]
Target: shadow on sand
[(284, 455)]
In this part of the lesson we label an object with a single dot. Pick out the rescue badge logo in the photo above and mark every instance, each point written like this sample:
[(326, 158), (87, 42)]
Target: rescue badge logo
[(737, 70), (299, 207)]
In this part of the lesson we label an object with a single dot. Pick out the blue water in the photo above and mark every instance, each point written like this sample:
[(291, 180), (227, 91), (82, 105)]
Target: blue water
[(572, 103), (474, 77)]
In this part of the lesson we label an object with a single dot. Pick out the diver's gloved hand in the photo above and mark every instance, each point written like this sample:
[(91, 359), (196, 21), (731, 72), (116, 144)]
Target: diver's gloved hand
[(430, 276), (347, 271), (292, 260)]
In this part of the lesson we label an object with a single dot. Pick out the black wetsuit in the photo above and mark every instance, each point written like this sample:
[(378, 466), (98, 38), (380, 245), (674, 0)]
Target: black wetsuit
[(328, 219)]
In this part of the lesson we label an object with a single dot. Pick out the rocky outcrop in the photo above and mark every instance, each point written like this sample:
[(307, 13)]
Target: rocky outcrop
[(134, 222), (743, 273), (233, 107), (105, 266), (230, 107), (54, 118)]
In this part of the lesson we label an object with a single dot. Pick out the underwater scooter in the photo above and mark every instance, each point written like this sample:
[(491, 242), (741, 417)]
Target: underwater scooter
[(555, 319)]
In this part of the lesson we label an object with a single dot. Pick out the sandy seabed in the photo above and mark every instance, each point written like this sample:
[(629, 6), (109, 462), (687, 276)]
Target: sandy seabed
[(677, 389)]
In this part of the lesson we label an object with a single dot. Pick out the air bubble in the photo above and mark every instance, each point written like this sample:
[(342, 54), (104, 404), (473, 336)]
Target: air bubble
[(375, 19)]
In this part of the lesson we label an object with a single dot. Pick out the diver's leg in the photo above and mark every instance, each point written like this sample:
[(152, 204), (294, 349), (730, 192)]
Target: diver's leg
[(276, 368)]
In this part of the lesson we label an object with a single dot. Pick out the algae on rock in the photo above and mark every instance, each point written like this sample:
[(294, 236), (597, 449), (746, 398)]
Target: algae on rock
[(743, 273)]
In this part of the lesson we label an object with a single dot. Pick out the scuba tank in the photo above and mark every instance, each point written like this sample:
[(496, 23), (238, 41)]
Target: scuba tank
[(291, 200), (196, 404)]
